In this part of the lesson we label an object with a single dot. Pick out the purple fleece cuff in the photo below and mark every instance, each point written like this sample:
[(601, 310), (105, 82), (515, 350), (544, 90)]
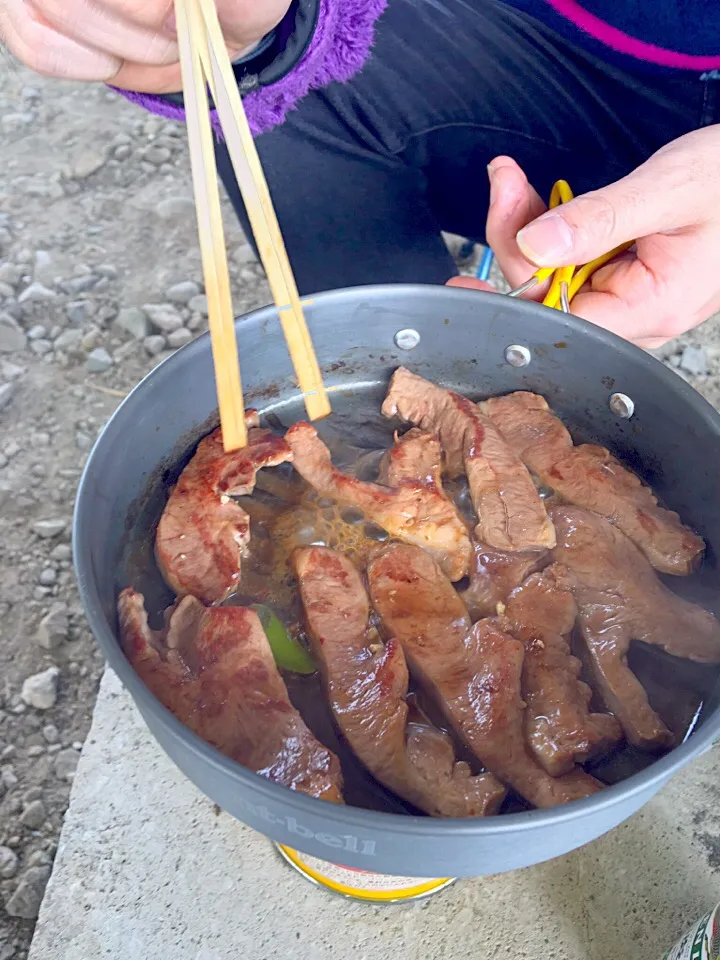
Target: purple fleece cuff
[(340, 46)]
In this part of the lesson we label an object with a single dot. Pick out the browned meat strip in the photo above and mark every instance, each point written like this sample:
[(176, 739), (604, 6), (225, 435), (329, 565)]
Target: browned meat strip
[(511, 515), (367, 682), (416, 455), (213, 668), (591, 477), (621, 599), (494, 574), (473, 672), (203, 534), (415, 511), (559, 726)]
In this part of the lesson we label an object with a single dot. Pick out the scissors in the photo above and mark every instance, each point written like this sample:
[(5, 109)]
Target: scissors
[(566, 281)]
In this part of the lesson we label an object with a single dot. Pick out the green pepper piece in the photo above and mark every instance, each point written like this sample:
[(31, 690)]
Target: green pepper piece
[(289, 653)]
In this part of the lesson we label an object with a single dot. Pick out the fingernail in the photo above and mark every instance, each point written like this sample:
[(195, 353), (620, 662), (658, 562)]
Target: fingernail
[(171, 26), (491, 177), (547, 240)]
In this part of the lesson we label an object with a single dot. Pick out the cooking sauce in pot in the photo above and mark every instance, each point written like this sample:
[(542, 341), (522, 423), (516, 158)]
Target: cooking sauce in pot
[(286, 513)]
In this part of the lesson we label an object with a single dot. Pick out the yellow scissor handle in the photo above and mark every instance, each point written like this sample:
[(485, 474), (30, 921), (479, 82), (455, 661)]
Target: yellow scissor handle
[(571, 278)]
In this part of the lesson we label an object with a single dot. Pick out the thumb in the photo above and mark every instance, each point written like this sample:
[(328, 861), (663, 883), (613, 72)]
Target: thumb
[(658, 197)]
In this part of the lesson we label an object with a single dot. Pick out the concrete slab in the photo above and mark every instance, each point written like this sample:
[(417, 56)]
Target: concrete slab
[(147, 869)]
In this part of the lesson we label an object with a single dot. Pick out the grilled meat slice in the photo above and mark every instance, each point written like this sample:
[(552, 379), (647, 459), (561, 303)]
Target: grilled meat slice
[(415, 510), (494, 574), (213, 668), (621, 599), (511, 515), (203, 534), (559, 727), (473, 672), (367, 682), (590, 476)]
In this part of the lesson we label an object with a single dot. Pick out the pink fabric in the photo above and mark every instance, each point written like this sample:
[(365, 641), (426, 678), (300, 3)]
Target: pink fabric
[(624, 43)]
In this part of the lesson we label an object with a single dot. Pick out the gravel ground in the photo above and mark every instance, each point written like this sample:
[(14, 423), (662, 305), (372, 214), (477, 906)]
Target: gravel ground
[(99, 279)]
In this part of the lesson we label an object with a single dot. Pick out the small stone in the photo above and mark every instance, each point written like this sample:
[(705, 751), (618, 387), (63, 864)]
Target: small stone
[(35, 751), (122, 152), (87, 163), (90, 338), (157, 155), (68, 340), (183, 292), (25, 902), (10, 274), (244, 254), (11, 371), (694, 360), (7, 391), (44, 270), (39, 859), (40, 690), (8, 752), (163, 316), (62, 551), (199, 304), (175, 207), (41, 347), (66, 764), (47, 577), (36, 293), (36, 332), (12, 336), (154, 345), (99, 361), (8, 863), (82, 440), (133, 321), (34, 815), (6, 291), (8, 777), (47, 529), (80, 311), (79, 284), (178, 338), (15, 122), (51, 733), (53, 628)]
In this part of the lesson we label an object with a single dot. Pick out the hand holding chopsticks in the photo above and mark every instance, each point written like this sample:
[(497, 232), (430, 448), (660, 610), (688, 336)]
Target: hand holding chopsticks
[(204, 61)]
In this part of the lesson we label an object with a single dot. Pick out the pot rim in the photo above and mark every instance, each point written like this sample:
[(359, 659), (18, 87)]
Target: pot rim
[(653, 776)]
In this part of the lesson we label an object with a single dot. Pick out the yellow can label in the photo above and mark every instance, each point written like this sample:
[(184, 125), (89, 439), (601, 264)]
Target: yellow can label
[(361, 884)]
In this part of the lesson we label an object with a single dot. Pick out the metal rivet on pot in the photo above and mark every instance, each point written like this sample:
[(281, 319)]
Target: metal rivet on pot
[(622, 406), (517, 356), (407, 339)]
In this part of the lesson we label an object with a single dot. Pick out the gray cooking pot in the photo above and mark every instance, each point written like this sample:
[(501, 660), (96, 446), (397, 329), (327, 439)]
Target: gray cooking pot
[(672, 440)]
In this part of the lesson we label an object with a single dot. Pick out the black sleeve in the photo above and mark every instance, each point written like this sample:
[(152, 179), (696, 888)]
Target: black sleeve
[(277, 54)]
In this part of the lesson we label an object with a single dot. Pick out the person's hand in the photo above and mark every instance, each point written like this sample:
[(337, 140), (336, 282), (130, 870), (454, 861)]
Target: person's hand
[(129, 43), (668, 283)]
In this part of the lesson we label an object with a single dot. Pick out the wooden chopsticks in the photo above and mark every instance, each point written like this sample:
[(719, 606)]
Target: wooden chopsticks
[(204, 60)]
